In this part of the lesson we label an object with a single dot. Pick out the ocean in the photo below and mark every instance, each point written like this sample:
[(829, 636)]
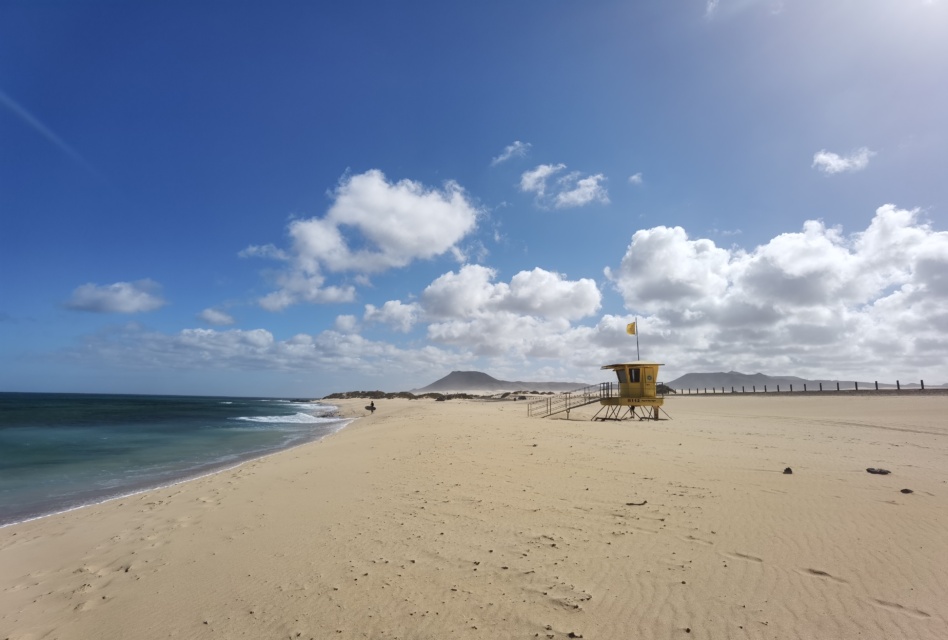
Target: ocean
[(59, 451)]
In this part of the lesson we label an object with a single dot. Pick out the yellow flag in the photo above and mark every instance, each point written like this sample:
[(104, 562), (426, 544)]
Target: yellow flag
[(630, 328)]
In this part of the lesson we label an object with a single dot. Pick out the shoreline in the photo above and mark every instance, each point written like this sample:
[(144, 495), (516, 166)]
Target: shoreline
[(468, 519), (204, 472)]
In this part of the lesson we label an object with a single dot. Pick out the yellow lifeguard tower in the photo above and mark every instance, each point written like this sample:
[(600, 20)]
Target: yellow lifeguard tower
[(637, 390)]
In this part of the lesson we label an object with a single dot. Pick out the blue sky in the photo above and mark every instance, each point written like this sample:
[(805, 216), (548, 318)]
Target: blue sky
[(291, 198)]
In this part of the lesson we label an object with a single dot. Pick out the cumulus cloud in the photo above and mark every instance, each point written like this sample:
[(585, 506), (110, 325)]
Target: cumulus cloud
[(120, 297), (216, 317), (402, 317), (517, 149), (830, 163), (372, 225), (570, 190), (581, 191), (816, 302), (636, 178), (534, 180), (468, 308), (346, 323), (472, 291), (817, 299)]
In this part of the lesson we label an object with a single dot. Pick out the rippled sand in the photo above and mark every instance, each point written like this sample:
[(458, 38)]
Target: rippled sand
[(467, 519)]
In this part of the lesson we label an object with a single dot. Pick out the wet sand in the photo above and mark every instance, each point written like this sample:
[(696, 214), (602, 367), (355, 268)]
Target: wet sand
[(467, 519)]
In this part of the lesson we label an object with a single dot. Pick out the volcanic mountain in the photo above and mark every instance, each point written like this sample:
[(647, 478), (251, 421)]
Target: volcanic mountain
[(475, 381)]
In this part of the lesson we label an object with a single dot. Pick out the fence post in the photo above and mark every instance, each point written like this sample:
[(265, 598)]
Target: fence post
[(778, 388), (898, 387), (754, 387), (804, 387), (923, 385), (821, 386), (857, 385), (765, 388), (837, 386), (742, 389), (877, 385)]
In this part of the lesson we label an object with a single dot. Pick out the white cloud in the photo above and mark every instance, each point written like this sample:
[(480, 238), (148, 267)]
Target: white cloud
[(872, 303), (534, 180), (544, 293), (264, 251), (346, 324), (663, 264), (582, 192), (121, 297), (472, 292), (345, 353), (401, 317), (468, 309), (830, 163), (636, 178), (817, 302), (216, 317), (571, 190), (517, 149), (372, 226)]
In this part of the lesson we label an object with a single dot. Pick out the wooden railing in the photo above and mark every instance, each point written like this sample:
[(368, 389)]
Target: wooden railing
[(544, 407)]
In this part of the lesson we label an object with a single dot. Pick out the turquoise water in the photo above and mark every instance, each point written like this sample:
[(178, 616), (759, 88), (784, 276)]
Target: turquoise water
[(59, 451)]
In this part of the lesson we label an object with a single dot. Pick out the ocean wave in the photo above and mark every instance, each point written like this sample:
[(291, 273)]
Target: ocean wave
[(296, 418)]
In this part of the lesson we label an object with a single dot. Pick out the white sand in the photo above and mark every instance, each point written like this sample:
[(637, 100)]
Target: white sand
[(468, 519)]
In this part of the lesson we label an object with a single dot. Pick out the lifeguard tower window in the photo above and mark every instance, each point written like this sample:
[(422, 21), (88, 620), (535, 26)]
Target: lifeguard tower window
[(635, 375), (621, 374)]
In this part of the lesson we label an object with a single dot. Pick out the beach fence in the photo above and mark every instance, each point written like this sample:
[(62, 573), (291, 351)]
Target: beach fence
[(816, 388)]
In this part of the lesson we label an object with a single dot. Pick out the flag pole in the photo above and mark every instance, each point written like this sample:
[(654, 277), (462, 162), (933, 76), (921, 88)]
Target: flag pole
[(637, 356)]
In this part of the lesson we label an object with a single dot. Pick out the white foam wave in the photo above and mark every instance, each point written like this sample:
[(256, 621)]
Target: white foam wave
[(296, 418)]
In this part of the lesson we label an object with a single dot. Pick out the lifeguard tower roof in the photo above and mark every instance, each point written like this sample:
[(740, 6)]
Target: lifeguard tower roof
[(637, 363)]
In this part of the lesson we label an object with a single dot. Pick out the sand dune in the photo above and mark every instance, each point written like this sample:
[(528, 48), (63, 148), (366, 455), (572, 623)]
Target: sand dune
[(467, 519)]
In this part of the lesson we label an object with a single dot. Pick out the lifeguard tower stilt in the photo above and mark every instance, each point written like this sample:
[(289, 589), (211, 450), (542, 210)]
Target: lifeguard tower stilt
[(637, 393)]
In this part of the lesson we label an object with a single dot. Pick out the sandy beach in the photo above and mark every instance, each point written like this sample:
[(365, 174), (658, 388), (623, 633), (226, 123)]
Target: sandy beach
[(467, 519)]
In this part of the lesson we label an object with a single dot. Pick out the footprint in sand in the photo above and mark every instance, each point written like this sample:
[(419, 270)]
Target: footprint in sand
[(915, 613), (743, 556), (822, 574)]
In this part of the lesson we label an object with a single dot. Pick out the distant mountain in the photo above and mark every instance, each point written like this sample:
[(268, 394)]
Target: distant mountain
[(734, 379), (479, 381), (749, 380)]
